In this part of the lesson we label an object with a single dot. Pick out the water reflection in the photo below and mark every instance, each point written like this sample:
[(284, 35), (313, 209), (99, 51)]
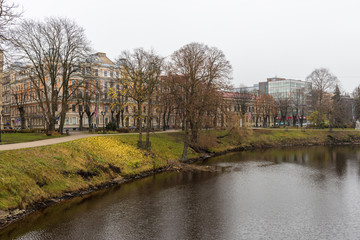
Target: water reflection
[(311, 193)]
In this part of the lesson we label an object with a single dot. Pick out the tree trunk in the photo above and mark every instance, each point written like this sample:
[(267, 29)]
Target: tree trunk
[(194, 133), (22, 117), (62, 122), (264, 122), (81, 115), (164, 120), (139, 125), (168, 119), (186, 142), (51, 125), (148, 126), (117, 116), (294, 121), (89, 115)]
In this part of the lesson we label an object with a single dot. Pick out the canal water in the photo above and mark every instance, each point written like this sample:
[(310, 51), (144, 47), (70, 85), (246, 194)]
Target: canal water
[(298, 193)]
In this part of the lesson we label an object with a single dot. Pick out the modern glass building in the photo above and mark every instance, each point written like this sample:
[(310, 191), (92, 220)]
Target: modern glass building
[(286, 88)]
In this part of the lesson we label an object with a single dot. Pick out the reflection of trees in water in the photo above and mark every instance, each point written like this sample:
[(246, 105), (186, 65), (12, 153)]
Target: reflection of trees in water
[(318, 157)]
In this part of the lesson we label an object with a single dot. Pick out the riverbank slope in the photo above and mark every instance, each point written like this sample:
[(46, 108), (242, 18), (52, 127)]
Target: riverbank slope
[(48, 174)]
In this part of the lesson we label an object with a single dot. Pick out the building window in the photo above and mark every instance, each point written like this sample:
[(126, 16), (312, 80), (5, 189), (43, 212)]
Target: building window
[(106, 120), (73, 108), (106, 109), (74, 120), (105, 73), (67, 121), (111, 74), (96, 72)]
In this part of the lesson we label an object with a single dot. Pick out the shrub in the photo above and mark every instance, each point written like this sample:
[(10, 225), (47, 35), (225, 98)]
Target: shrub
[(111, 126), (122, 130)]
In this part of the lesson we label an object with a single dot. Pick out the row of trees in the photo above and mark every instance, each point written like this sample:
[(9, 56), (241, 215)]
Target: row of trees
[(53, 50), (195, 76)]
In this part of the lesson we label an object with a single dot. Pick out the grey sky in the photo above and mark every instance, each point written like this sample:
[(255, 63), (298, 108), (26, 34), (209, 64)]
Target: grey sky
[(261, 38)]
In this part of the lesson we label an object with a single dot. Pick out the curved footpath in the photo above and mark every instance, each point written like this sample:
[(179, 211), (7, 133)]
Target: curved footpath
[(73, 136)]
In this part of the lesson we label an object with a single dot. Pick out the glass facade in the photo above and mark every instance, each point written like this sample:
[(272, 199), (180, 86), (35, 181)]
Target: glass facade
[(286, 88)]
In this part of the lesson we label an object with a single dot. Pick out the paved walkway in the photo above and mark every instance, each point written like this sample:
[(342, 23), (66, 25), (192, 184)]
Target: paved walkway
[(51, 141)]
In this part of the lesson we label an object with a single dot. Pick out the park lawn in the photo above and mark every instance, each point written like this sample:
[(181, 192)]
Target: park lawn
[(8, 138)]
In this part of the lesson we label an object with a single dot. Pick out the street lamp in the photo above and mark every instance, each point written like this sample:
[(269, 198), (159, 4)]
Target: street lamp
[(1, 118), (103, 114)]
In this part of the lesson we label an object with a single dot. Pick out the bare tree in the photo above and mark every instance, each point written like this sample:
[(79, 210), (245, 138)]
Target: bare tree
[(337, 115), (322, 81), (265, 105), (166, 101), (119, 101), (298, 105), (242, 101), (153, 72), (356, 95), (20, 97), (84, 93), (54, 49), (140, 72), (284, 107), (203, 72), (8, 15)]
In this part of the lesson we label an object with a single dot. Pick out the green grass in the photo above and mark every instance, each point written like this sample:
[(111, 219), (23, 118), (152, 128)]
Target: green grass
[(34, 174), (7, 138), (280, 137)]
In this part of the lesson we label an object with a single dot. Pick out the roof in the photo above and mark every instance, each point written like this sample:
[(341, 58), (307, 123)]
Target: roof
[(101, 58)]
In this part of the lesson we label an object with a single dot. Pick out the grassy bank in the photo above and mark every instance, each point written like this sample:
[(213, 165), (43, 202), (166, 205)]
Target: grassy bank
[(8, 138), (264, 138), (33, 175)]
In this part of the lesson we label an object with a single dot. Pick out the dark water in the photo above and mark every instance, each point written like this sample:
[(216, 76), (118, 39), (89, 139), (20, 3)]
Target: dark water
[(308, 193)]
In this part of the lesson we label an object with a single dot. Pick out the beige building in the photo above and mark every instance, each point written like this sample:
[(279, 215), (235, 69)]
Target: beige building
[(1, 87), (89, 102)]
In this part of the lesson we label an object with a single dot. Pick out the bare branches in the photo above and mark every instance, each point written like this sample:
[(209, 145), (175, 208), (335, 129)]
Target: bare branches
[(51, 49), (8, 15), (199, 72), (140, 75), (322, 81)]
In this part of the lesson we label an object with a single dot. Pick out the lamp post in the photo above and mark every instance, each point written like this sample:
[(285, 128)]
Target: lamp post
[(1, 118), (103, 114)]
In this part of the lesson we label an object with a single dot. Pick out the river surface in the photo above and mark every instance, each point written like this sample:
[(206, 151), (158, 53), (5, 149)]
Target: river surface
[(298, 193)]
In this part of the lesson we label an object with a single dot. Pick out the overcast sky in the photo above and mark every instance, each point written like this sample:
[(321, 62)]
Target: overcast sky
[(261, 38)]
